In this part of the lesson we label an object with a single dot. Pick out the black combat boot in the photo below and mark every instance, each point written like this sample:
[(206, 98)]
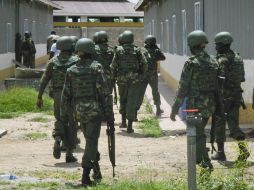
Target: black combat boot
[(129, 127), (57, 148), (206, 165), (97, 172), (243, 152), (69, 156), (123, 124), (86, 181), (159, 111), (220, 154)]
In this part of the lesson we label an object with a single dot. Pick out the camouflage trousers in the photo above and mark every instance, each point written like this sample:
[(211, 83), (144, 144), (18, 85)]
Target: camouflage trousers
[(29, 60), (152, 80), (232, 119), (66, 130), (201, 150), (128, 99), (91, 129)]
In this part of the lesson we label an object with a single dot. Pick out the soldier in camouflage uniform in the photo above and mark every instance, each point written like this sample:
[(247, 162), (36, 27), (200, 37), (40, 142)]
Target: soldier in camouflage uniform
[(153, 54), (28, 50), (232, 65), (74, 40), (127, 67), (104, 55), (198, 83), (95, 38), (55, 73), (92, 100), (50, 41)]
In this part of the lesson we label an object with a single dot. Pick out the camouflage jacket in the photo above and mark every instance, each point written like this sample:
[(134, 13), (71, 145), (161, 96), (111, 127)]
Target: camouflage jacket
[(86, 87), (152, 54), (198, 83), (49, 42), (233, 69), (155, 55), (128, 64), (104, 55), (55, 72), (28, 47)]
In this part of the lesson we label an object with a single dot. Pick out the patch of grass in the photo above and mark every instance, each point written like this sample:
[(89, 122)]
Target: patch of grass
[(36, 136), (4, 182), (16, 101), (220, 180), (39, 119), (120, 185), (229, 179), (39, 185), (9, 115), (148, 106), (150, 127), (55, 174)]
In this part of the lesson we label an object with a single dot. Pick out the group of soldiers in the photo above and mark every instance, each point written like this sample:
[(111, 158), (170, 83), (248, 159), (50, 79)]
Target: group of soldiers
[(25, 50), (212, 86), (82, 78)]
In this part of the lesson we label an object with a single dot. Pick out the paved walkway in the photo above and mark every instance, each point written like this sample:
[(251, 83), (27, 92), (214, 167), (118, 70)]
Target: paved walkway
[(167, 98)]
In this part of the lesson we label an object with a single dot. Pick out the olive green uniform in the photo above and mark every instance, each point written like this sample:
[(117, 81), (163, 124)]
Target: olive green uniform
[(232, 65), (28, 52), (55, 73), (104, 55), (92, 100), (127, 66), (198, 83), (153, 55)]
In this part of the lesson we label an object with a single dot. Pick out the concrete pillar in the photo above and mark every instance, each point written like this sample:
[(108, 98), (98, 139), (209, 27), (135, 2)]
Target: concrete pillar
[(66, 19), (121, 18), (83, 19)]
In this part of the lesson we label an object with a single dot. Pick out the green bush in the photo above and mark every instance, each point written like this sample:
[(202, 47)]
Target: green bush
[(36, 136), (150, 127), (16, 101)]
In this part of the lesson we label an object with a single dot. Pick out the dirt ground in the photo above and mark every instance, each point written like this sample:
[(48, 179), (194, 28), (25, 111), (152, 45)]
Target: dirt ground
[(134, 152)]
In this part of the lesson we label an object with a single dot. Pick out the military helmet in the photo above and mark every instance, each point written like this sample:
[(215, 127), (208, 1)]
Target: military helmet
[(95, 37), (128, 37), (150, 40), (102, 37), (27, 34), (224, 38), (196, 38), (74, 39), (64, 43), (120, 41), (85, 45), (53, 32)]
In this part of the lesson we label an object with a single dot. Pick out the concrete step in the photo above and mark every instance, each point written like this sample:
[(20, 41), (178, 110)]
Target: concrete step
[(3, 132)]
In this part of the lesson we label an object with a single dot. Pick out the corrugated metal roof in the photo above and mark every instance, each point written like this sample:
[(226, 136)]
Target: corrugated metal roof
[(141, 4), (78, 8), (50, 3)]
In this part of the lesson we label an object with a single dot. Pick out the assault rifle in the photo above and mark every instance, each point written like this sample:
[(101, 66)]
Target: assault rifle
[(243, 103), (115, 95), (111, 144), (212, 134)]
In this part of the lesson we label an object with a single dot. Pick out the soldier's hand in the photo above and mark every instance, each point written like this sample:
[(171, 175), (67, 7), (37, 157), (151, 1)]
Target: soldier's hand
[(39, 103), (173, 116)]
